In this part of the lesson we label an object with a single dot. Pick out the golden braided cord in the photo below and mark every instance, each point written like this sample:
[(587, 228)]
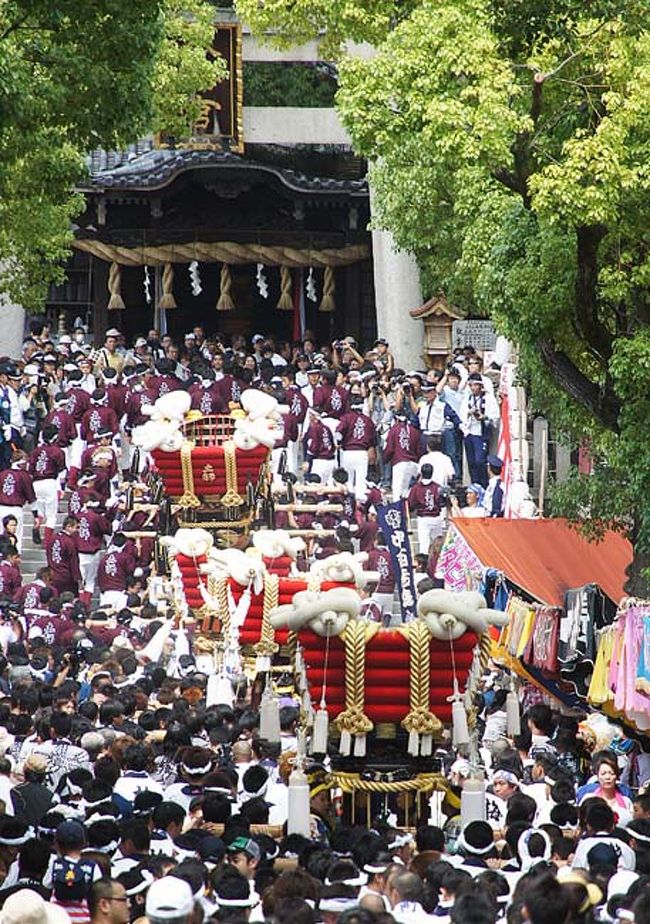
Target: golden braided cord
[(420, 719), (353, 718), (231, 498), (188, 498), (224, 252), (267, 645), (221, 592), (423, 782)]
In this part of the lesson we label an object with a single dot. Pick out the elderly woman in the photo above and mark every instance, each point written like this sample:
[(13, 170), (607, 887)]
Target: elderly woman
[(473, 503)]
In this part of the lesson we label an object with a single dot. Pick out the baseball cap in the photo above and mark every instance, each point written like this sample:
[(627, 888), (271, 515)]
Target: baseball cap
[(139, 342), (113, 332), (245, 845), (256, 338), (168, 898)]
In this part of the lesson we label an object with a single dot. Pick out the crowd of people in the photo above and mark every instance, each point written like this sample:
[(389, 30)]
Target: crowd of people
[(125, 797)]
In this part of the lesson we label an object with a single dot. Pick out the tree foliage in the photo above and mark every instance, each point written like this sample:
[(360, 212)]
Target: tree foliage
[(75, 76), (510, 143)]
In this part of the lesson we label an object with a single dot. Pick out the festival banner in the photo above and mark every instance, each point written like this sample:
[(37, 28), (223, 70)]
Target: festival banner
[(457, 564), (393, 522)]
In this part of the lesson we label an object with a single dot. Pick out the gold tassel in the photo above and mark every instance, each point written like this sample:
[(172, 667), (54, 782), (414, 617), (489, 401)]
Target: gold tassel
[(329, 288), (225, 302), (167, 299), (115, 302), (285, 302)]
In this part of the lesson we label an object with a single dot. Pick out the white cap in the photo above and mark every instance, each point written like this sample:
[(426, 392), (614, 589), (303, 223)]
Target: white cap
[(139, 342), (168, 898), (27, 907), (113, 332), (65, 339)]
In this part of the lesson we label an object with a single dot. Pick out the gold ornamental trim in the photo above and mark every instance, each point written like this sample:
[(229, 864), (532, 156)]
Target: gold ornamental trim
[(188, 497), (355, 637), (267, 646), (231, 498), (420, 719)]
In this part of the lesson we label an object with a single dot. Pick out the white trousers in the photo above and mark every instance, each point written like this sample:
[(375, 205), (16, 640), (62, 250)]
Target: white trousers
[(384, 601), (89, 566), (19, 513), (324, 468), (429, 528), (355, 462), (47, 499), (402, 474)]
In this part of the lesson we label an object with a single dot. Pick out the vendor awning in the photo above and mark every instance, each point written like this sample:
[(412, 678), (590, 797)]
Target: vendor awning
[(545, 558)]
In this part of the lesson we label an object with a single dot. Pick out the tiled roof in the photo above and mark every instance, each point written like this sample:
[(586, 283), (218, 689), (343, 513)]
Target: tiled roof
[(142, 167)]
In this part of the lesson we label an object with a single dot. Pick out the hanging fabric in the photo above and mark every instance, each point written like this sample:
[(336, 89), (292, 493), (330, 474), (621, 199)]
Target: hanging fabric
[(115, 302), (285, 302), (329, 288), (167, 300), (225, 302)]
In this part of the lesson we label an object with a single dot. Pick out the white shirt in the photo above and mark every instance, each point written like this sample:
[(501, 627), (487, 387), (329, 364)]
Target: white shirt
[(626, 856), (432, 416), (443, 468), (412, 913)]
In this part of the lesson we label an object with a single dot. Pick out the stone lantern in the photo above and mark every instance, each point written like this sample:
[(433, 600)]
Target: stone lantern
[(438, 318)]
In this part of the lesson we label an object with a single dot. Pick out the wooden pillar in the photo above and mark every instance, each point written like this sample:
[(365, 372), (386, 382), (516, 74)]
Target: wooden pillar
[(99, 270)]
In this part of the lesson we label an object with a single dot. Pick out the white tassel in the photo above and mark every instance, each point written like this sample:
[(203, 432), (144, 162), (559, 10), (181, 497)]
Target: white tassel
[(426, 745), (359, 745), (414, 744), (299, 662), (219, 691), (321, 731), (298, 804), (460, 733), (270, 717), (512, 715), (345, 744)]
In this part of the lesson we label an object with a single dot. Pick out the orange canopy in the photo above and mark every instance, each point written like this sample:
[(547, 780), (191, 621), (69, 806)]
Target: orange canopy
[(548, 557)]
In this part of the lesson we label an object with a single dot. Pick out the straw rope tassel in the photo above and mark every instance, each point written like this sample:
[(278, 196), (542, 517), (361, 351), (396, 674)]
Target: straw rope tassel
[(115, 302), (188, 498), (225, 302), (167, 300), (285, 302), (353, 721), (329, 288), (420, 723)]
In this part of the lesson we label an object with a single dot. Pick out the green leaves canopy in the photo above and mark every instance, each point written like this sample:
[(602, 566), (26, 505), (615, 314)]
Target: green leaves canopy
[(75, 76), (510, 148)]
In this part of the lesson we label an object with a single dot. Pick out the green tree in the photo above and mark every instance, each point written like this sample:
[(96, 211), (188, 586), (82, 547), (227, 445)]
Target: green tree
[(75, 76), (510, 141)]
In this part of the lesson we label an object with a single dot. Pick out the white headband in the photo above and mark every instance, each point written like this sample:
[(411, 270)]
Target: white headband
[(462, 843), (235, 902), (337, 905), (196, 771), (522, 848), (401, 840), (360, 880)]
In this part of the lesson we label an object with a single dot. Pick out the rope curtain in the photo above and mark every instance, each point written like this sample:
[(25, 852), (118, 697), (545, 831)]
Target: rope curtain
[(223, 252)]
